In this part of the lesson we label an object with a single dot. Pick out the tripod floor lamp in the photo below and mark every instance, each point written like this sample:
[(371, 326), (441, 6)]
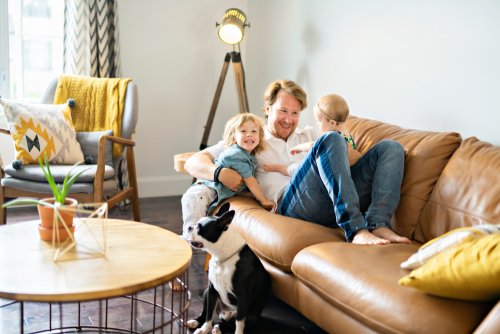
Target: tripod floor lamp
[(230, 31)]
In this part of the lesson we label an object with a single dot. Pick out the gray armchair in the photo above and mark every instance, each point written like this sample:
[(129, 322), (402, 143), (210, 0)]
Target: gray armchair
[(100, 182)]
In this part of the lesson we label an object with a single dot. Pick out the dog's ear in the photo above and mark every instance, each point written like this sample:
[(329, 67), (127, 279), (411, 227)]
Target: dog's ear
[(224, 220), (224, 208)]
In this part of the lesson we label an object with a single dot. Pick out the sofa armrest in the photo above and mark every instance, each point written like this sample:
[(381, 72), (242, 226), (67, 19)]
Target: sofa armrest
[(490, 324)]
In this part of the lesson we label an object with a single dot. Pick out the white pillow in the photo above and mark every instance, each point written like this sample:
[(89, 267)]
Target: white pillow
[(445, 241), (42, 128)]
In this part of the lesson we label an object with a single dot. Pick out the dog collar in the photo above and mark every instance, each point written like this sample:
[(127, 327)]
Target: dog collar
[(220, 262)]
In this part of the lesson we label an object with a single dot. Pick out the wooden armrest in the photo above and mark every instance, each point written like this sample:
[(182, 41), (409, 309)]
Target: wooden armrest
[(5, 131), (101, 154), (120, 140), (180, 160)]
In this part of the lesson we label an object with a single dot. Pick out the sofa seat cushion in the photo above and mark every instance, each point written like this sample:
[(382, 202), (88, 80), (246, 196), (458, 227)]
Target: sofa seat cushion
[(362, 281), (275, 238)]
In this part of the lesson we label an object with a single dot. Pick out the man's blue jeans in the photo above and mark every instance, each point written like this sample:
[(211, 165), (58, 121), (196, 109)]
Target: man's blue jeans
[(326, 191)]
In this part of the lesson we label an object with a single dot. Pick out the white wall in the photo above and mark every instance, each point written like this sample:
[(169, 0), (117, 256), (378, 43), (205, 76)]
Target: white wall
[(423, 64), (171, 49)]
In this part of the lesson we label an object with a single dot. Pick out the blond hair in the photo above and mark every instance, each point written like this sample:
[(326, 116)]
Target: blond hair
[(333, 107), (289, 87), (235, 122)]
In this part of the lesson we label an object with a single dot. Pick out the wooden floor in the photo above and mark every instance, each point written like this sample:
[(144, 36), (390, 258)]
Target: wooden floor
[(165, 212)]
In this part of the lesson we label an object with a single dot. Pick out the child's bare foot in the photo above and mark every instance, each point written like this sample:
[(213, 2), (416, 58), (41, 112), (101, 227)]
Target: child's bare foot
[(365, 237), (390, 235)]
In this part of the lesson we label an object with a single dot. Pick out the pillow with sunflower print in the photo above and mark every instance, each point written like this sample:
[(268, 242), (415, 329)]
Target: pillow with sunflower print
[(42, 128)]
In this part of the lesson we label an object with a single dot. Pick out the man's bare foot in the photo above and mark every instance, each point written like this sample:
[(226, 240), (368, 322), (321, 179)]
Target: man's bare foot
[(365, 237), (390, 235)]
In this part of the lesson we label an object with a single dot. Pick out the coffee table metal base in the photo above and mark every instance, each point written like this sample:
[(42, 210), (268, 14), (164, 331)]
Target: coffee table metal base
[(156, 310)]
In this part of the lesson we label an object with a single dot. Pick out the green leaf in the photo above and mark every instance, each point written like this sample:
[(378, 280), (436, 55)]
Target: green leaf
[(21, 201)]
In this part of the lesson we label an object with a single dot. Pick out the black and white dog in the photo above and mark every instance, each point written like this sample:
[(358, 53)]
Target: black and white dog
[(236, 276)]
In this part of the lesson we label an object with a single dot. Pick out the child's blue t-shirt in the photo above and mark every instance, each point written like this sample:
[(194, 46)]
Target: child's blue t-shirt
[(238, 159)]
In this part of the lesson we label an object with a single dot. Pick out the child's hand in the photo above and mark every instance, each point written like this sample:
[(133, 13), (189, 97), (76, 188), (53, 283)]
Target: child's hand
[(268, 205), (304, 147), (268, 168)]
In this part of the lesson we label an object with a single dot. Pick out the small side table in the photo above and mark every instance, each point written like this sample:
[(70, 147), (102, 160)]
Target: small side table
[(88, 293)]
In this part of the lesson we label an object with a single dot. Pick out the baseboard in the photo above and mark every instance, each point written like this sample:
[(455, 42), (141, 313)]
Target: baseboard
[(163, 186)]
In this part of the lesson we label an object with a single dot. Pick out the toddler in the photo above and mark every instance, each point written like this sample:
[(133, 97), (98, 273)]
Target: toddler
[(243, 137)]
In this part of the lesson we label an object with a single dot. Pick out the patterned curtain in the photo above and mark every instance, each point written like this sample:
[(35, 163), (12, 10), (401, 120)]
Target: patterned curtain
[(91, 48), (91, 38)]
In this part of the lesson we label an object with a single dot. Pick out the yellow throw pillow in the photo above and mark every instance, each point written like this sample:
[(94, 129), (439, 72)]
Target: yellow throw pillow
[(445, 241), (468, 271), (42, 128)]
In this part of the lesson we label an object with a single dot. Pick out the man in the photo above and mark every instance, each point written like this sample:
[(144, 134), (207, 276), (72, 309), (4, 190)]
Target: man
[(323, 189)]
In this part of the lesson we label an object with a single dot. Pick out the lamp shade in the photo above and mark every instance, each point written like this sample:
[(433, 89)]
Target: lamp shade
[(232, 27)]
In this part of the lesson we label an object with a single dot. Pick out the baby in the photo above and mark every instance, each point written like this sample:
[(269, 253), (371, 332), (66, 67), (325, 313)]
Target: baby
[(330, 112)]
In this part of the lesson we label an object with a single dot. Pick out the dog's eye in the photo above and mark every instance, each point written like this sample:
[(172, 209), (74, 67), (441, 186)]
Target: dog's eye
[(190, 228)]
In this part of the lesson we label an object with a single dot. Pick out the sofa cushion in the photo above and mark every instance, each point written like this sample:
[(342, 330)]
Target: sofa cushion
[(426, 155), (42, 129), (447, 240), (469, 271), (276, 238), (89, 142), (362, 281), (467, 192)]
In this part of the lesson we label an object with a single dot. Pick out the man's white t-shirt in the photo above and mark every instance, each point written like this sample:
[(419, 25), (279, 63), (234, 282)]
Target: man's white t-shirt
[(277, 152)]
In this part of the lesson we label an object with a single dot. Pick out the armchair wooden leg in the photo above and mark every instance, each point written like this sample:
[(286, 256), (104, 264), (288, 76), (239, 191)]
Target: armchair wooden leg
[(132, 181), (3, 211), (3, 216)]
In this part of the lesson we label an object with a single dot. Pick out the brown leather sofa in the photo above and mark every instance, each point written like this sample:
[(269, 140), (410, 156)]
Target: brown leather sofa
[(345, 288)]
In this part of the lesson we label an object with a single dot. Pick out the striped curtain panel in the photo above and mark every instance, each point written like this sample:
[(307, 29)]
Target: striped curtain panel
[(91, 38), (91, 48)]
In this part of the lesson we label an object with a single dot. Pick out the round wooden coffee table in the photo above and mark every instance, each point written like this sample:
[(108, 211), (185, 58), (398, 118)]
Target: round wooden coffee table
[(128, 287)]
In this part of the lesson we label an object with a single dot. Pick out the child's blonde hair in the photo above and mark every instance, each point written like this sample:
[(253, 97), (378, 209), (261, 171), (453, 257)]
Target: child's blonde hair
[(333, 107), (236, 121)]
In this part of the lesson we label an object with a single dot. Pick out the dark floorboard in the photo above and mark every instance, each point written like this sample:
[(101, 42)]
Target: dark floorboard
[(165, 212)]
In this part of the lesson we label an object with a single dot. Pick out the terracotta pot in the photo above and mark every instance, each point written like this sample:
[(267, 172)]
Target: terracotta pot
[(47, 233), (46, 214)]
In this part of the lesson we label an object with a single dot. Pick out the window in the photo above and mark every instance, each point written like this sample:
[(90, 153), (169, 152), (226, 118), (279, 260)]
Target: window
[(32, 30)]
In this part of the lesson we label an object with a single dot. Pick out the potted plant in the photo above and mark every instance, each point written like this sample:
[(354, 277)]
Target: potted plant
[(56, 213)]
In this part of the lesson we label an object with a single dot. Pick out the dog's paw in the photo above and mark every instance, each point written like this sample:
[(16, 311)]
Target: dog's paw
[(216, 330), (227, 315), (205, 329), (192, 324)]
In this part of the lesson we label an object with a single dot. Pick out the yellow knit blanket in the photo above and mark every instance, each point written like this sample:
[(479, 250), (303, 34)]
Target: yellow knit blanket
[(98, 103)]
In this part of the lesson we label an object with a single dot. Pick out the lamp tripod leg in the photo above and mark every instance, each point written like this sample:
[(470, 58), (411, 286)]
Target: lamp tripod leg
[(239, 75), (215, 101), (239, 72)]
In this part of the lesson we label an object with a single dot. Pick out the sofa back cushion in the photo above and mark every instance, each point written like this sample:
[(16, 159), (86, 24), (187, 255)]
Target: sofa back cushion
[(426, 154), (466, 194)]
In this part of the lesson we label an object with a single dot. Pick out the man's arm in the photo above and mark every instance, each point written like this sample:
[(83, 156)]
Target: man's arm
[(201, 166)]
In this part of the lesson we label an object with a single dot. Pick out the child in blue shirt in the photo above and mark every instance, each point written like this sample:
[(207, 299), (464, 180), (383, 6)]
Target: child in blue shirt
[(243, 137)]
